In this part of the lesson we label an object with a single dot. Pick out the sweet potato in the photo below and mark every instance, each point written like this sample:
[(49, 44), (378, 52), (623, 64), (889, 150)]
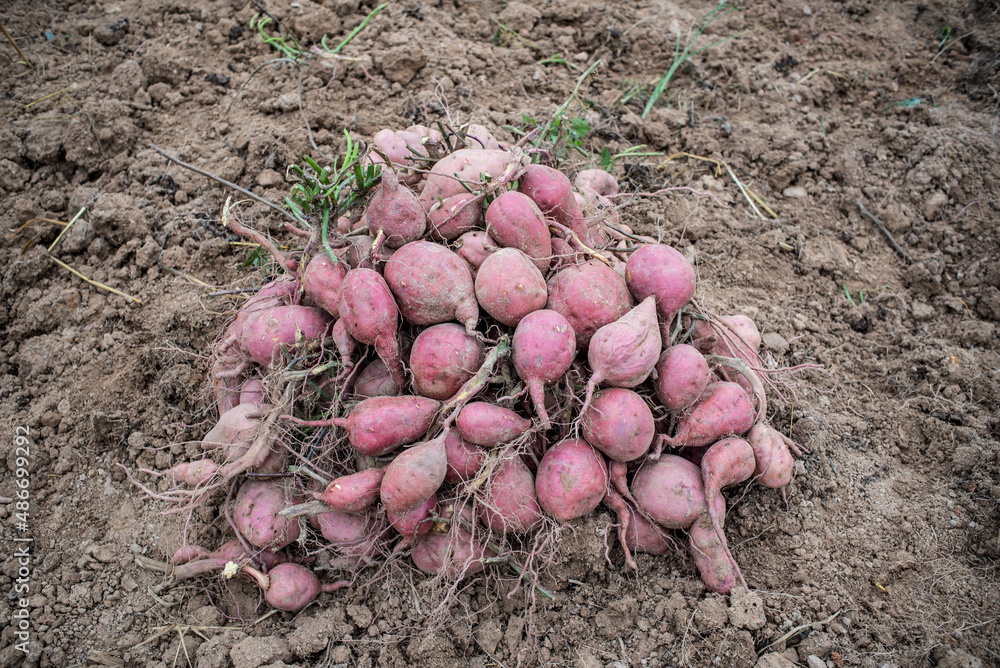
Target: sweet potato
[(292, 587), (682, 374), (552, 192), (644, 536), (353, 493), (443, 358), (623, 353), (255, 514), (321, 282), (192, 474), (270, 335), (670, 491), (509, 286), (619, 424), (464, 459), (403, 148), (352, 534), (571, 479), (454, 552), (376, 381), (487, 425), (252, 392), (465, 168), (235, 430), (369, 313), (514, 221), (727, 462), (395, 212), (712, 557), (343, 342), (509, 503), (724, 409), (774, 462), (597, 180), (454, 217), (414, 476), (414, 522), (542, 348), (589, 295), (379, 425), (474, 248), (432, 285), (660, 271)]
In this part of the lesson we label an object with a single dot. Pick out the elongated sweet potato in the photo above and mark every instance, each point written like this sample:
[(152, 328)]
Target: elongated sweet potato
[(543, 348), (379, 425), (432, 285), (514, 221), (369, 313), (552, 192), (355, 492), (724, 409), (487, 425)]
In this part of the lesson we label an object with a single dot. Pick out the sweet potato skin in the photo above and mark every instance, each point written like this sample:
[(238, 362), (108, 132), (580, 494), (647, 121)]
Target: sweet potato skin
[(369, 312), (509, 286), (396, 212), (442, 358), (724, 409), (542, 348), (487, 425), (514, 221), (660, 271), (774, 462), (268, 335), (510, 504), (670, 491), (571, 479), (589, 295), (321, 282), (255, 515), (379, 425), (682, 374), (619, 424), (432, 285)]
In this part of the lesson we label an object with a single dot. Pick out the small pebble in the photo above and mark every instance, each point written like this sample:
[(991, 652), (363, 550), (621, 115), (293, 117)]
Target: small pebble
[(794, 192), (815, 662)]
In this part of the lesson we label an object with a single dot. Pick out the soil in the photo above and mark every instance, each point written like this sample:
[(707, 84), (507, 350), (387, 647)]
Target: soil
[(891, 522)]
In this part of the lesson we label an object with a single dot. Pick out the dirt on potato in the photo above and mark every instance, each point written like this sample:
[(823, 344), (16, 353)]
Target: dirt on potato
[(884, 550)]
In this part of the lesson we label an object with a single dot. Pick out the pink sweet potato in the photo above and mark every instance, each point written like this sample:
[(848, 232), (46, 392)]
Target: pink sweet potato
[(711, 555), (432, 285), (235, 430), (509, 503), (670, 491), (379, 425), (552, 192), (644, 536), (453, 553), (414, 476), (375, 381), (252, 392), (623, 353), (542, 348), (774, 461), (454, 217), (414, 522), (589, 295), (255, 513), (487, 425), (464, 459), (514, 221), (350, 533), (343, 342), (660, 271), (443, 358), (509, 286), (292, 587), (597, 180), (396, 212), (571, 480), (465, 168), (189, 553), (619, 424), (355, 492), (727, 462), (369, 313), (321, 282), (682, 374), (192, 474), (724, 409), (271, 335), (474, 248)]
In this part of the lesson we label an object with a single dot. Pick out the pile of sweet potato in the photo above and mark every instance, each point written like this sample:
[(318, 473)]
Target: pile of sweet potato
[(482, 352)]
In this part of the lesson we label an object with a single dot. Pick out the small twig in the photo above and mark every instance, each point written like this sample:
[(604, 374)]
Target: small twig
[(66, 228), (94, 283), (892, 242), (224, 182), (16, 47), (798, 629)]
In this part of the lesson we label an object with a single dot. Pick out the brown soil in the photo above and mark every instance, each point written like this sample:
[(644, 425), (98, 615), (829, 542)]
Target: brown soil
[(892, 520)]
